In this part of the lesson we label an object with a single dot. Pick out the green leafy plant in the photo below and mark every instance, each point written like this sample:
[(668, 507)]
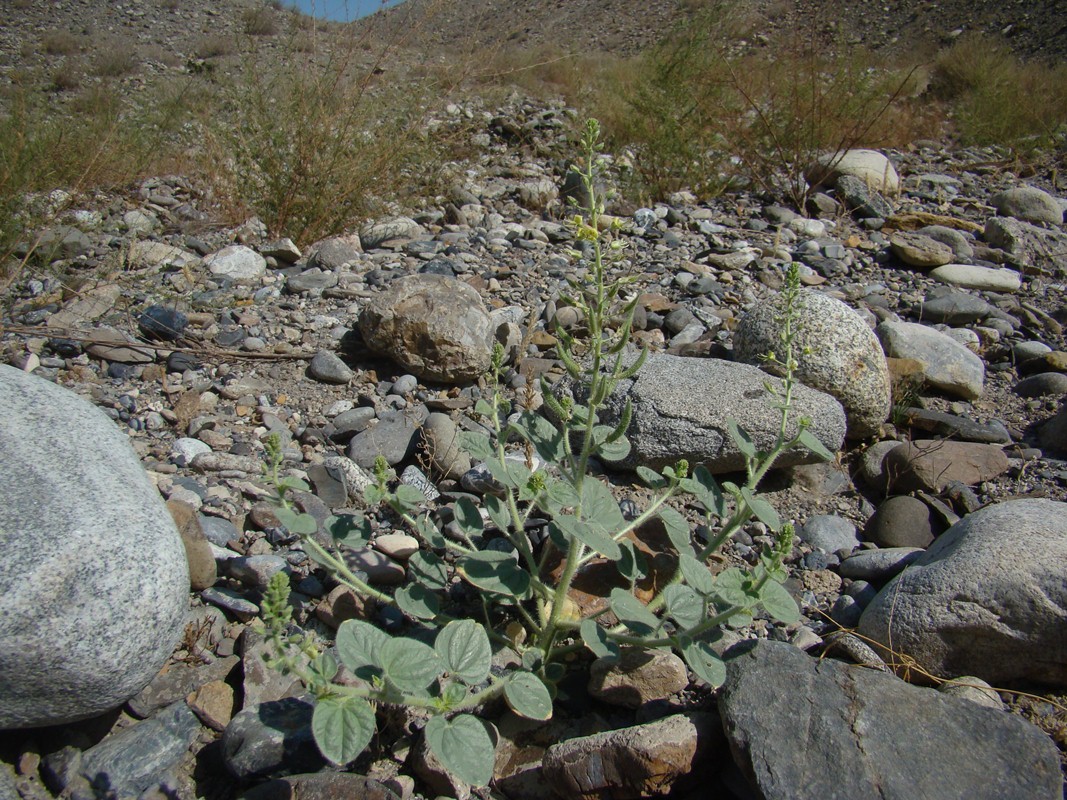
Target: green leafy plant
[(446, 665)]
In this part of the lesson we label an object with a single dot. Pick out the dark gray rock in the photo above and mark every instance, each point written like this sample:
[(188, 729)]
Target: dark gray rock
[(1029, 204), (902, 521), (136, 758), (829, 533), (988, 598), (309, 281), (160, 322), (321, 786), (1031, 248), (270, 740), (327, 367), (1044, 384), (878, 565), (951, 426), (862, 201), (393, 437), (806, 728), (94, 572), (953, 307)]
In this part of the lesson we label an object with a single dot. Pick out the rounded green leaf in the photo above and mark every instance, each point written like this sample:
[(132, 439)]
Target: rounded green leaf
[(677, 528), (463, 645), (411, 665), (763, 510), (652, 479), (467, 516), (633, 613), (418, 601), (592, 535), (495, 572), (463, 747), (528, 696), (684, 605), (358, 645), (296, 522), (705, 663), (476, 444), (352, 530), (696, 573), (777, 602), (428, 569), (342, 727), (597, 640)]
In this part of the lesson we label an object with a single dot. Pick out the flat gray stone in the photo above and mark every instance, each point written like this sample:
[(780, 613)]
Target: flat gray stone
[(681, 407), (803, 727), (94, 572), (836, 351), (988, 598), (947, 364), (271, 739), (953, 307), (989, 279), (392, 438), (878, 565)]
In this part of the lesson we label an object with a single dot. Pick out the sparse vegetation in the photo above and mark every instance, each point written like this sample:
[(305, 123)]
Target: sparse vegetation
[(525, 604), (60, 43), (709, 115), (260, 22), (994, 98), (116, 61)]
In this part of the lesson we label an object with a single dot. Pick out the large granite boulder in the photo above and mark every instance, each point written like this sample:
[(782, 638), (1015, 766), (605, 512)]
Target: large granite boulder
[(805, 728), (836, 353), (988, 598), (432, 325), (94, 572)]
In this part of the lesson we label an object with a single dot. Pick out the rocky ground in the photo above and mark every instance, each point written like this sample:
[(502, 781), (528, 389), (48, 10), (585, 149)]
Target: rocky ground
[(198, 342)]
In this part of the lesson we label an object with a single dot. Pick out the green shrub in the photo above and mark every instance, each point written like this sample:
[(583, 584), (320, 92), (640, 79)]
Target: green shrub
[(994, 98), (116, 60), (524, 607), (260, 22), (709, 115), (60, 43), (313, 148)]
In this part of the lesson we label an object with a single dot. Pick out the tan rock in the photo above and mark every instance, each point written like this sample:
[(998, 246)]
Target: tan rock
[(932, 464)]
